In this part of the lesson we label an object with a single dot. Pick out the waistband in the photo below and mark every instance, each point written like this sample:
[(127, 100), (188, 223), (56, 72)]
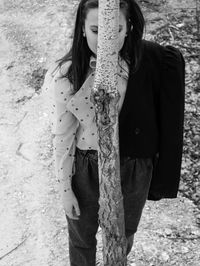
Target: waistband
[(93, 154)]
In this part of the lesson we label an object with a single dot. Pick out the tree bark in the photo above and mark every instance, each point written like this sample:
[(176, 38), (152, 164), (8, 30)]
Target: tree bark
[(105, 97), (198, 36), (153, 2), (198, 18)]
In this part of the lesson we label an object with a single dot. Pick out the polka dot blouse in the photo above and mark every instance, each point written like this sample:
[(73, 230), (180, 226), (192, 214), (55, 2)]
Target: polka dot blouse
[(73, 117)]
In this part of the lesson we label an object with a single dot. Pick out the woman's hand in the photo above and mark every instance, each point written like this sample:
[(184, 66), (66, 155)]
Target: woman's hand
[(71, 205)]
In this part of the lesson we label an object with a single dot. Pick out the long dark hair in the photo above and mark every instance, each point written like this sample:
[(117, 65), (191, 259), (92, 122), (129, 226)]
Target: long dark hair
[(80, 53)]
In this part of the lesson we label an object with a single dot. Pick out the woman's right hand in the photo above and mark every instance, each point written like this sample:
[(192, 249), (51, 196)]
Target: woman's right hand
[(71, 206)]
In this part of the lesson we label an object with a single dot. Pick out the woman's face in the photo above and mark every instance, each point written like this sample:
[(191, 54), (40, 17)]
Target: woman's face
[(91, 29)]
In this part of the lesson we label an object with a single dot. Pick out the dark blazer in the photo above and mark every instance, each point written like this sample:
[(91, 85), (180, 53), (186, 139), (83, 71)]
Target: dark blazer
[(152, 117)]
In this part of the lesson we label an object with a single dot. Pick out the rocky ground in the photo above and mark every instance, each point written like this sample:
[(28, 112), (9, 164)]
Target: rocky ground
[(33, 228)]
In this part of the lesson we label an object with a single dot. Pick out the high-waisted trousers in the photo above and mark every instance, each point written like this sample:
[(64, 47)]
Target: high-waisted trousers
[(136, 174)]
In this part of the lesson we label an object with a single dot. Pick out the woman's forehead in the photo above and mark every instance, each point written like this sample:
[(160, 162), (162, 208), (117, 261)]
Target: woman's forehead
[(92, 16)]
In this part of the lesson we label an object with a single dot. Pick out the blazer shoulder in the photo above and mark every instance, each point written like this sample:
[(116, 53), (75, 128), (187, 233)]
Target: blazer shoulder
[(161, 54), (152, 55), (151, 48)]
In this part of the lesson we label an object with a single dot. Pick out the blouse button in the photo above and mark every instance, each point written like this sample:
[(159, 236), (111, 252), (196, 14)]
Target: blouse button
[(137, 131)]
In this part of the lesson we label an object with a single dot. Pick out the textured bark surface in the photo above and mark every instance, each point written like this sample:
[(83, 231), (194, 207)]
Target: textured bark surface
[(198, 17), (106, 97)]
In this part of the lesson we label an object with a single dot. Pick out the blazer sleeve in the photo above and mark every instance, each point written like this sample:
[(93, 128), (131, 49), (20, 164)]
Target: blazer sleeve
[(57, 92), (167, 163)]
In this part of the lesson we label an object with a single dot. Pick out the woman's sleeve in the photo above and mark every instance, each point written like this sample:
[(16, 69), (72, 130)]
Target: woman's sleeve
[(63, 126), (166, 175)]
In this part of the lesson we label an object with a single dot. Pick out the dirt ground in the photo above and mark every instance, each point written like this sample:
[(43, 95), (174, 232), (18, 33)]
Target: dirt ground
[(33, 228)]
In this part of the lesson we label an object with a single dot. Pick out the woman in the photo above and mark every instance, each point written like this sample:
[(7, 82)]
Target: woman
[(151, 115)]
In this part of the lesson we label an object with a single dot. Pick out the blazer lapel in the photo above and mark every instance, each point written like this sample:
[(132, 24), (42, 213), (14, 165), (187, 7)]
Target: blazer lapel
[(135, 89), (128, 99)]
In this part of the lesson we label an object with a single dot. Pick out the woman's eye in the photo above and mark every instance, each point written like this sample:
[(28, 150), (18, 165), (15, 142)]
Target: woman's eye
[(94, 31)]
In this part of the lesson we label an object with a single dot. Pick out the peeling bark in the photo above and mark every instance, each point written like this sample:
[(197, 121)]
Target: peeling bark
[(105, 97)]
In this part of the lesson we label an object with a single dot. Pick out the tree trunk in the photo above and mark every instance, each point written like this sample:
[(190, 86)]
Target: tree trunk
[(198, 18), (198, 38), (105, 97), (153, 2)]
